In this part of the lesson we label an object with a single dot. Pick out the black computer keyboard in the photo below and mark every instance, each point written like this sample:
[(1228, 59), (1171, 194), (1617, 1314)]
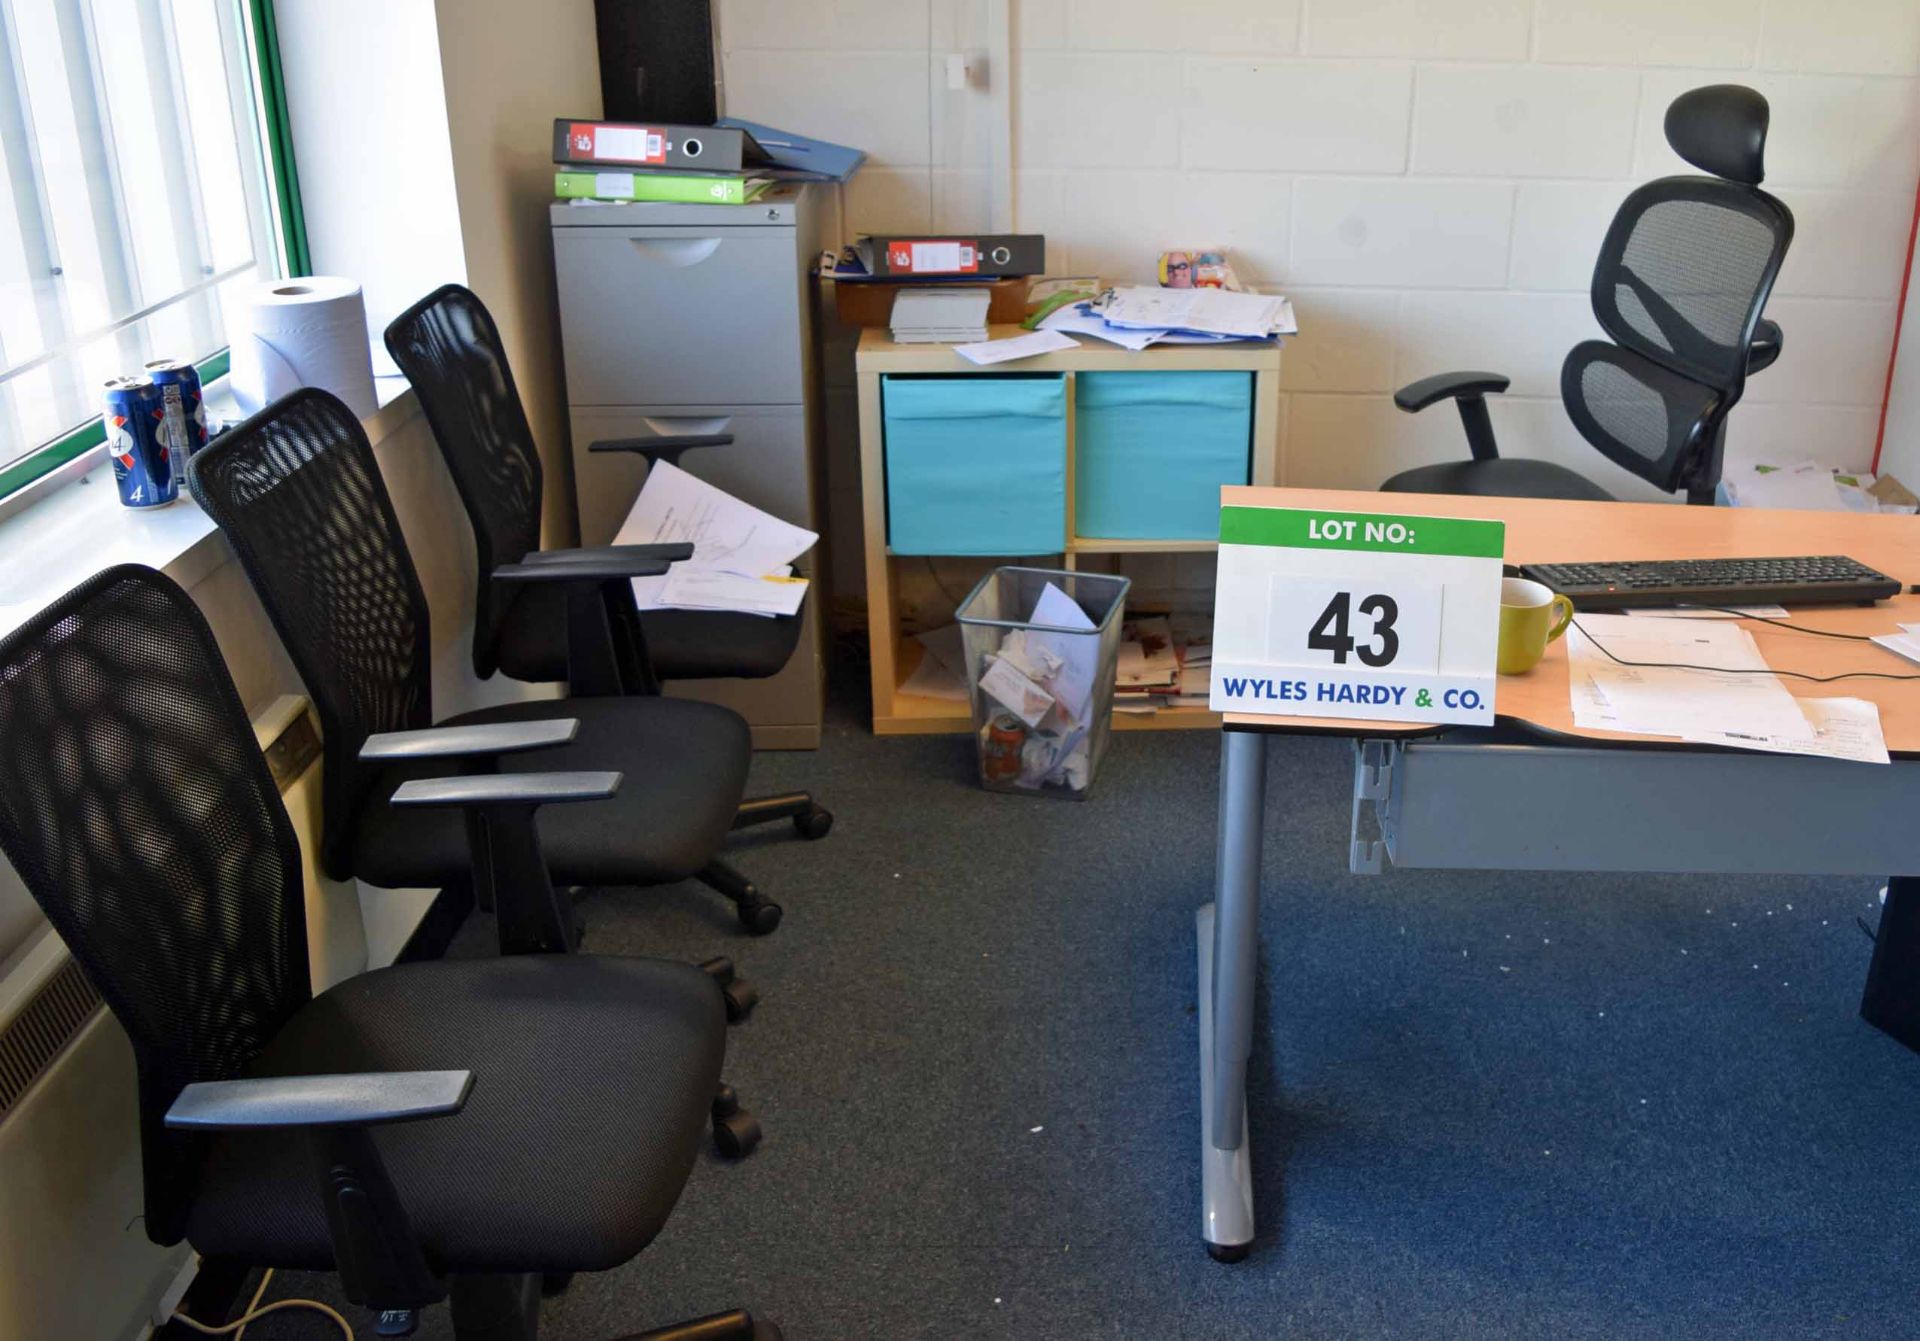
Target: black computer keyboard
[(1827, 579)]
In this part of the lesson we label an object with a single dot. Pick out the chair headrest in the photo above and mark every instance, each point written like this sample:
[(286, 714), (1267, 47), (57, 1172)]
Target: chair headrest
[(1721, 129)]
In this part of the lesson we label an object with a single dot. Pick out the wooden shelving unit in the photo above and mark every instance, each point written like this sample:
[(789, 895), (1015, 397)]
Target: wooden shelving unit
[(894, 657)]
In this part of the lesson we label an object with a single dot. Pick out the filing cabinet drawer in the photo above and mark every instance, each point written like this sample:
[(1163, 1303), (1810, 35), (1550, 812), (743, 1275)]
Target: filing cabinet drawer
[(679, 315)]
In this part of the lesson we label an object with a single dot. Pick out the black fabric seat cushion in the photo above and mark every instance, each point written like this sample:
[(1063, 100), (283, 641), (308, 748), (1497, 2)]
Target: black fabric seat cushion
[(684, 768), (593, 1078), (682, 644), (1503, 477)]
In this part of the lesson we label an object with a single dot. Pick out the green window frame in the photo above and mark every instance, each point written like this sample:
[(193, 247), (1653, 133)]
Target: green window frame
[(283, 180)]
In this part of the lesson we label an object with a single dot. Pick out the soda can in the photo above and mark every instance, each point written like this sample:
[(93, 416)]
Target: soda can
[(142, 465), (185, 417)]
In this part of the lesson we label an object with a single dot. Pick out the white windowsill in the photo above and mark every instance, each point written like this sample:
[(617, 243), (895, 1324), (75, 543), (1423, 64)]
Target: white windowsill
[(78, 529)]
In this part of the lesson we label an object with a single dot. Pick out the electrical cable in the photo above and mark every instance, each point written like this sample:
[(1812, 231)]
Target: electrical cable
[(253, 1313), (1727, 670), (1778, 623)]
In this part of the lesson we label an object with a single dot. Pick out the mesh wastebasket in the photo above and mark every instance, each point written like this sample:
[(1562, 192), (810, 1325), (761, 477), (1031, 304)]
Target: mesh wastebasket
[(1042, 646)]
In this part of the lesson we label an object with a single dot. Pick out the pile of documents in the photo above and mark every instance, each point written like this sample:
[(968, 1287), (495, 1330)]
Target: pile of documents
[(1141, 315), (1166, 661), (742, 557), (1809, 485), (946, 315), (1641, 676)]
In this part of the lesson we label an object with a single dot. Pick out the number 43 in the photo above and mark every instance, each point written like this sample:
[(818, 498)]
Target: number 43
[(1329, 632)]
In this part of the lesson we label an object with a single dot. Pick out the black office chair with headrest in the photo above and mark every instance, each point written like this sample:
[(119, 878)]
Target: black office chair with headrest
[(1682, 279), (456, 1128)]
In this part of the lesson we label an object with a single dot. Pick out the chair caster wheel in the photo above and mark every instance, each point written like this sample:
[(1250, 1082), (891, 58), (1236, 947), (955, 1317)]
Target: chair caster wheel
[(719, 968), (1229, 1252), (554, 1283), (742, 996), (736, 1135), (725, 1102), (816, 823), (759, 914), (766, 1331)]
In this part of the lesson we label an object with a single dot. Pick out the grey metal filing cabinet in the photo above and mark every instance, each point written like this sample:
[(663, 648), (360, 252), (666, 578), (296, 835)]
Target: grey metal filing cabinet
[(698, 319)]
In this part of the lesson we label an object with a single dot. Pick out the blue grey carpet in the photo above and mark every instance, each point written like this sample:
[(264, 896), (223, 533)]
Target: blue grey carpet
[(1483, 1104)]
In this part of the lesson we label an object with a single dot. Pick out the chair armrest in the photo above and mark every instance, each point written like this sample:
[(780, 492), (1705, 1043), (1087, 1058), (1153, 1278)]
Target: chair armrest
[(668, 446), (357, 1100), (1416, 396), (1765, 347), (506, 789), (453, 742), (672, 553), (608, 565)]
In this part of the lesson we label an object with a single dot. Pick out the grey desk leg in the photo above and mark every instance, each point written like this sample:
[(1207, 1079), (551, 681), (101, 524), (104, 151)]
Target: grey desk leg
[(1891, 1002), (1228, 934)]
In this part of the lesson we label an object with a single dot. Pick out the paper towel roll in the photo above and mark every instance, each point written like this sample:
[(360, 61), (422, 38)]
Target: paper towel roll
[(310, 331)]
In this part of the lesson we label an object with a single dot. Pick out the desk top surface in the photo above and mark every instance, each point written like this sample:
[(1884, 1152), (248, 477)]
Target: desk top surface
[(1550, 531), (880, 352)]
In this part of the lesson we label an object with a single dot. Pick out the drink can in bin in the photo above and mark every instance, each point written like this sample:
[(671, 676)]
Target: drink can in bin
[(143, 468), (184, 420)]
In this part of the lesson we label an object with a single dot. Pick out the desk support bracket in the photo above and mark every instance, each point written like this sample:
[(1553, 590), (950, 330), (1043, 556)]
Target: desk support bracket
[(1374, 765)]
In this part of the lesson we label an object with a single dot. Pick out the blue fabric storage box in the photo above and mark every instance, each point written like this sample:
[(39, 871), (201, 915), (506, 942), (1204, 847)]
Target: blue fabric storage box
[(976, 464), (1151, 450)]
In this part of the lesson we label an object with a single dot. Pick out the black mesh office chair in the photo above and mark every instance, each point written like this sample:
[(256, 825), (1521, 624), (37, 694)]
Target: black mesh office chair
[(450, 350), (299, 495), (139, 811), (1683, 276)]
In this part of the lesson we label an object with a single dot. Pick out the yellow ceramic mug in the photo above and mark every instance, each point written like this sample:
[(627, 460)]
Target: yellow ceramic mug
[(1531, 616)]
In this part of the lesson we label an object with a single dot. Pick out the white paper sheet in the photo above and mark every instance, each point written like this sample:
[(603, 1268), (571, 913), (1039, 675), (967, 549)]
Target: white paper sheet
[(942, 672), (726, 533), (1844, 728), (690, 587), (1731, 612), (1733, 696), (1071, 319), (1014, 691), (1204, 311), (1080, 656), (1027, 346)]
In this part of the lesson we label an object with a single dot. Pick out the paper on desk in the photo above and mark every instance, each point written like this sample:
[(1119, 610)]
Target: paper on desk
[(725, 532), (1843, 728), (1201, 311), (1076, 319), (1027, 346), (1731, 612), (693, 587), (1732, 697)]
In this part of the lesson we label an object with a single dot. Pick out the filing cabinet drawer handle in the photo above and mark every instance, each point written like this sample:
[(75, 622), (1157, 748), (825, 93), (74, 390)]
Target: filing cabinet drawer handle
[(680, 252), (677, 425)]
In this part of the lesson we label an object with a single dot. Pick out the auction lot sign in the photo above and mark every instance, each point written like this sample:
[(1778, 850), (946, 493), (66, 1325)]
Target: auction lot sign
[(1356, 615)]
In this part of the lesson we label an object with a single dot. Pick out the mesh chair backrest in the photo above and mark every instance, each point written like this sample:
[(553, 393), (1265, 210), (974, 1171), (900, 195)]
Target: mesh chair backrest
[(1683, 276), (450, 350), (138, 809), (1685, 271), (299, 495)]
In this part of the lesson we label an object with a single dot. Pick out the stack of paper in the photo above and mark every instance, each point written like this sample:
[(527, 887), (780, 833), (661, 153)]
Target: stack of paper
[(945, 315), (742, 557), (1705, 682), (1136, 317), (1165, 661)]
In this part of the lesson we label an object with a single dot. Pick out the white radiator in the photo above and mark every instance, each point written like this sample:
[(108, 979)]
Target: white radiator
[(75, 1260)]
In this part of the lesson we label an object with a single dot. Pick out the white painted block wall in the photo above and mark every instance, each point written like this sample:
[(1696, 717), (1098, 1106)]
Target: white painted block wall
[(1429, 179)]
